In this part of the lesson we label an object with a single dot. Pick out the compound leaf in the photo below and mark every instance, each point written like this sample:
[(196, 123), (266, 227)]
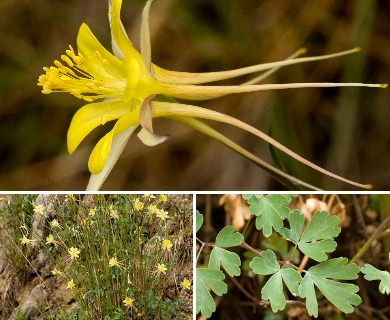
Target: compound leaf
[(341, 295), (270, 210), (372, 273), (208, 278), (278, 244), (199, 220), (273, 290), (317, 238), (228, 238), (230, 261)]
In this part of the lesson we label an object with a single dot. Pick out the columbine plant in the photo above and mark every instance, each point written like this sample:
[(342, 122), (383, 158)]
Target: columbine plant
[(134, 91)]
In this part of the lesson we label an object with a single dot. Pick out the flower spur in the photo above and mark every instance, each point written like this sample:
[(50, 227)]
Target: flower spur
[(134, 91)]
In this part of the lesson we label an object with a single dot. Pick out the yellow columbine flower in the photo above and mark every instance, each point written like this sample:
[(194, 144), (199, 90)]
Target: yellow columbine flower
[(113, 213), (186, 284), (128, 302), (70, 284), (74, 253), (135, 91), (39, 208), (152, 209), (70, 197), (161, 268), (162, 214), (163, 198), (92, 212), (167, 244), (113, 262), (138, 205), (55, 224), (25, 241), (50, 240), (55, 272)]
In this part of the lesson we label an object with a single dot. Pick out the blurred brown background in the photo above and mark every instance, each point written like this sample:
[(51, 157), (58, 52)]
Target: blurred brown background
[(344, 130)]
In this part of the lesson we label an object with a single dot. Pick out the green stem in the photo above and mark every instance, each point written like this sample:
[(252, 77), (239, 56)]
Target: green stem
[(367, 245)]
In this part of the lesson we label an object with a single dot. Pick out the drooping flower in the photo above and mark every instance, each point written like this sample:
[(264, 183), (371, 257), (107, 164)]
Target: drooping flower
[(135, 91), (74, 253), (128, 302)]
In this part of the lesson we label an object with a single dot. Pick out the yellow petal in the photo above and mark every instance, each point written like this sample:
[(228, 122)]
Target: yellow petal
[(100, 153), (118, 33), (88, 45), (146, 50), (118, 144), (92, 115)]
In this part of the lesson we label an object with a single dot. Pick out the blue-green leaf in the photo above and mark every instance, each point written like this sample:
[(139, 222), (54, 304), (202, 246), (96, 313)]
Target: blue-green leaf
[(199, 220), (228, 238), (317, 238), (321, 227), (270, 210), (341, 295), (212, 279), (229, 260), (265, 264), (273, 289), (372, 273)]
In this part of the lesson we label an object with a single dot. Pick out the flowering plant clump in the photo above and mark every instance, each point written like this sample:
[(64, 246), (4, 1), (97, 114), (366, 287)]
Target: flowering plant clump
[(133, 91), (118, 267)]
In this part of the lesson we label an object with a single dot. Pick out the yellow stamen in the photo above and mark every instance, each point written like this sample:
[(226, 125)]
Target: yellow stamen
[(83, 80)]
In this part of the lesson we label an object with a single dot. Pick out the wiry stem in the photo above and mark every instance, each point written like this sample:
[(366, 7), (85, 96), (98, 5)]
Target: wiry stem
[(367, 245)]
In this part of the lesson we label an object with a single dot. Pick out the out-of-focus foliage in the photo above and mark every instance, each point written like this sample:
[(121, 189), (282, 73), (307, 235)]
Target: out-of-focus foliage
[(344, 130)]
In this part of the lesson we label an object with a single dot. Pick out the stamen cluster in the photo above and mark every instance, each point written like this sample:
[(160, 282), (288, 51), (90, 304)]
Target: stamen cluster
[(79, 79)]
